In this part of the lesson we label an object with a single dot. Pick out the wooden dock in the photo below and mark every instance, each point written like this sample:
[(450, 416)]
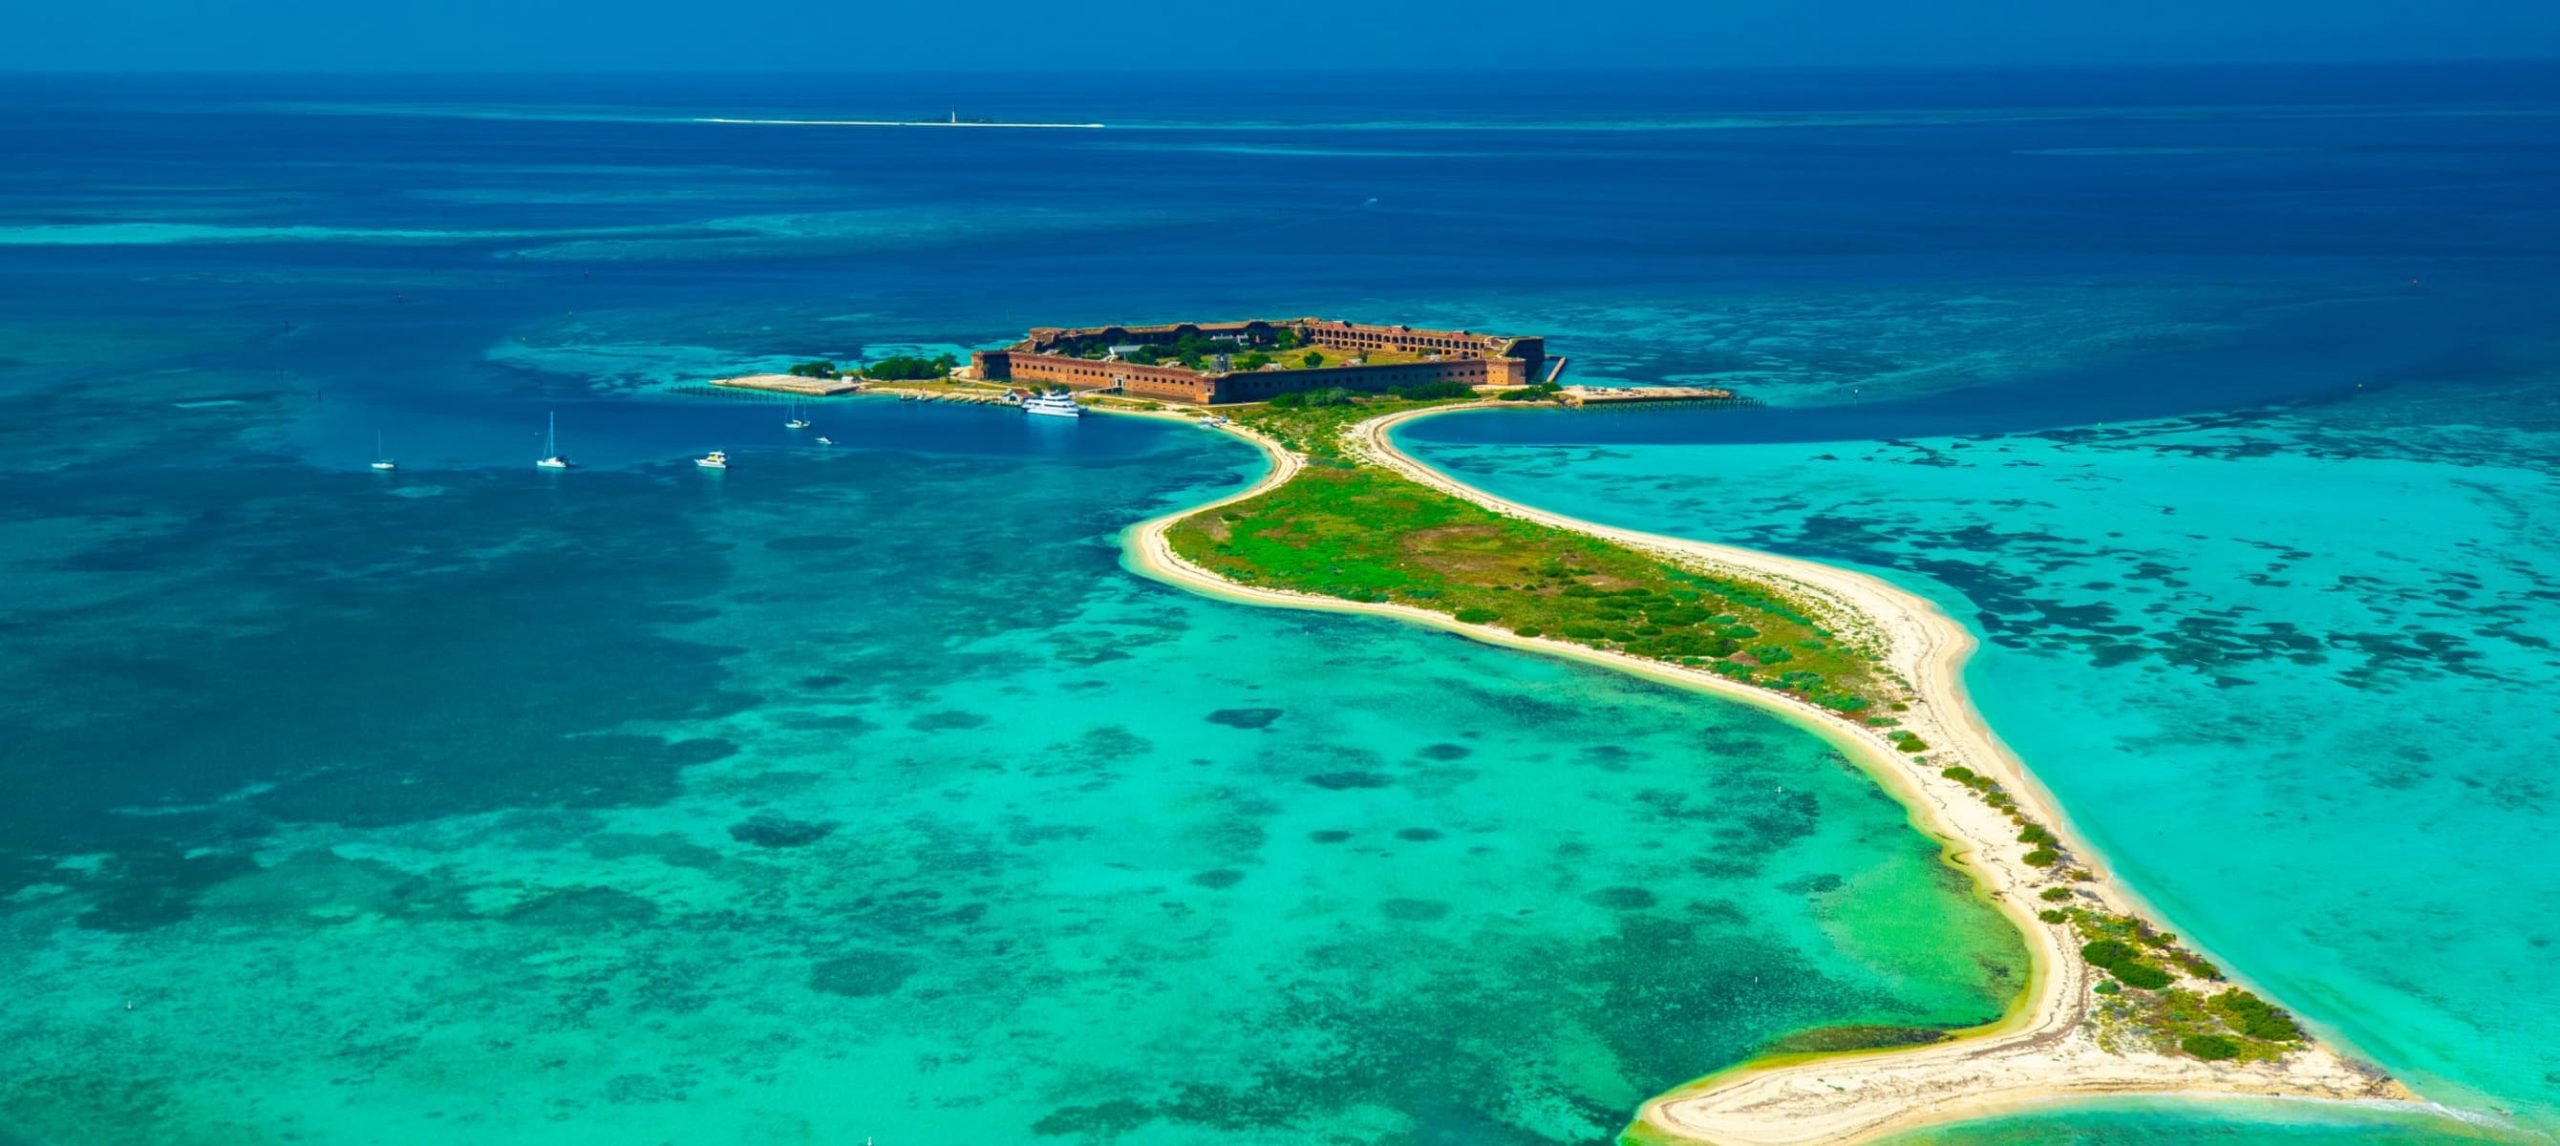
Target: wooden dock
[(792, 384), (969, 397), (1620, 395)]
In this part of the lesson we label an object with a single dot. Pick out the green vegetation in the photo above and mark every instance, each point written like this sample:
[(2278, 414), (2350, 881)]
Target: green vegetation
[(2139, 1003), (2121, 961), (2143, 1007), (1313, 359), (904, 368), (1833, 1040), (2211, 1048), (1364, 533), (2256, 1017), (1538, 393), (818, 369), (1192, 350)]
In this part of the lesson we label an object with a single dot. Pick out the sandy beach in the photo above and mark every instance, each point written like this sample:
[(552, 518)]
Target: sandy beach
[(2044, 1048)]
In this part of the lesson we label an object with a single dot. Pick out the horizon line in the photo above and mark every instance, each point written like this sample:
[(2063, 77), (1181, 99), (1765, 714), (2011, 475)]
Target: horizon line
[(1399, 68)]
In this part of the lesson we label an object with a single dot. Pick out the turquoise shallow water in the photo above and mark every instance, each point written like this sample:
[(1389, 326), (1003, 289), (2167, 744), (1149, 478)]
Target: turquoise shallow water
[(2289, 669), (860, 792), (401, 809), (2226, 1122)]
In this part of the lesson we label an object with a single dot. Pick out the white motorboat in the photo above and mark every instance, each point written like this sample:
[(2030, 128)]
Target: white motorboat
[(1056, 405), (715, 460)]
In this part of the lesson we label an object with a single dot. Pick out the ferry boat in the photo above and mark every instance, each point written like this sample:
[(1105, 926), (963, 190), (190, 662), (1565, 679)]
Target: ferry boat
[(715, 460), (551, 459), (1057, 405)]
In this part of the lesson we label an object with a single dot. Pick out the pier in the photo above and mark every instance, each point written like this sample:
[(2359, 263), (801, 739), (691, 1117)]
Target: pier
[(1622, 395), (792, 384), (966, 397)]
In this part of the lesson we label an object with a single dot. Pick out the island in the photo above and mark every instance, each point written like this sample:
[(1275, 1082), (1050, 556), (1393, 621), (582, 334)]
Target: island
[(1345, 521), (2114, 1004)]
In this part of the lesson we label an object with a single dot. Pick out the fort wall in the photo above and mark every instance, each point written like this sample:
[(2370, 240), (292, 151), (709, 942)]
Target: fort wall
[(1057, 356)]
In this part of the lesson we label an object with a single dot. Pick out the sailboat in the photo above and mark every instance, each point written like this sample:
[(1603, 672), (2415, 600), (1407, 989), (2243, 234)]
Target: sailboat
[(380, 462), (797, 422), (551, 459)]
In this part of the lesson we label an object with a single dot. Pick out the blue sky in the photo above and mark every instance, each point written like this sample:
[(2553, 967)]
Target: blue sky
[(923, 35)]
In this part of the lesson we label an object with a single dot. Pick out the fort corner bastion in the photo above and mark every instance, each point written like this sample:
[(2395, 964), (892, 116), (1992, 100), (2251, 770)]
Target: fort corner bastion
[(1208, 363)]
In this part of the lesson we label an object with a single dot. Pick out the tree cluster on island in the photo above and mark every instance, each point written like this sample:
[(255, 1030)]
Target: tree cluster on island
[(908, 368), (895, 368)]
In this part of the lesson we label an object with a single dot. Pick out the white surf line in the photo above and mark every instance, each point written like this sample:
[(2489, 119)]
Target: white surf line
[(886, 123)]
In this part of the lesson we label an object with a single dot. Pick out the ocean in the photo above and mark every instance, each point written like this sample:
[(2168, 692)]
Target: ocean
[(859, 792)]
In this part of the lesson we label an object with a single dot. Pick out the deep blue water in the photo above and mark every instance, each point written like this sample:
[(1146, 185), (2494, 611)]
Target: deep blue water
[(272, 711)]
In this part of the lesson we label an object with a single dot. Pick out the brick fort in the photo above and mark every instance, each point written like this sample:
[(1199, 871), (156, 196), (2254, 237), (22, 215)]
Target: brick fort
[(1208, 363)]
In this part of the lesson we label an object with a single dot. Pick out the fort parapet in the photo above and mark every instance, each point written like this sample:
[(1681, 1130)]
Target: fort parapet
[(1358, 357)]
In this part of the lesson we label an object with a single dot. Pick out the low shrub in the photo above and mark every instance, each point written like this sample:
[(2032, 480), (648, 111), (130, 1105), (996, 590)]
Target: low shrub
[(2049, 915), (2119, 959), (2056, 894), (2197, 965), (2043, 857), (1475, 616), (2142, 975), (2211, 1048), (1530, 631), (2256, 1017)]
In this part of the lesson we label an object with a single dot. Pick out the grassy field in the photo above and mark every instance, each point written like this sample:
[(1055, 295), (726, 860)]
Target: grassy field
[(1363, 533), (1296, 359)]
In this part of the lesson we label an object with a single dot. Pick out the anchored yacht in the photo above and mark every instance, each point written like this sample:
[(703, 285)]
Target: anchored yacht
[(551, 459), (715, 460), (1057, 405)]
